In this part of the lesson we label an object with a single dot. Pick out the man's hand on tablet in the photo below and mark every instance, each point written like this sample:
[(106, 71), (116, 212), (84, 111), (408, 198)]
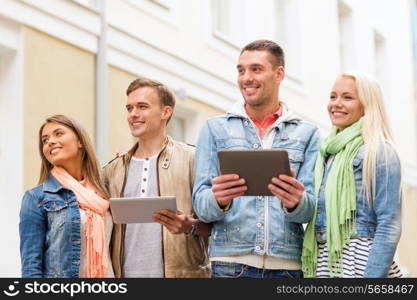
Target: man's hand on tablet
[(176, 222)]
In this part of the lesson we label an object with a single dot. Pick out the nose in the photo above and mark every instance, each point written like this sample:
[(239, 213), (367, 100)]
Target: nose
[(247, 77), (337, 101), (51, 141), (133, 113)]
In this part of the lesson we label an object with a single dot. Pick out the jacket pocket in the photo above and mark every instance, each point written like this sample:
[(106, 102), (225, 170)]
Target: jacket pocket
[(56, 211), (296, 158), (293, 234), (52, 205), (233, 143), (219, 234)]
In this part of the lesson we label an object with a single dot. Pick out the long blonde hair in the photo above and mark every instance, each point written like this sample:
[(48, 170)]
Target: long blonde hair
[(90, 164), (376, 130)]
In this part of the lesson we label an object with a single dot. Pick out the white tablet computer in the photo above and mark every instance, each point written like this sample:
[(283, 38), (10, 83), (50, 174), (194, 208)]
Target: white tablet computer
[(139, 210)]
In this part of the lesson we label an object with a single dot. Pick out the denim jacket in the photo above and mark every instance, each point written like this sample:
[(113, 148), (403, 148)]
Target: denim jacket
[(255, 225), (50, 231), (379, 220)]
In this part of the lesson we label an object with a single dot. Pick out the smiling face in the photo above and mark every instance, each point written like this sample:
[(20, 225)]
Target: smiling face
[(344, 106), (60, 145), (258, 77), (146, 116)]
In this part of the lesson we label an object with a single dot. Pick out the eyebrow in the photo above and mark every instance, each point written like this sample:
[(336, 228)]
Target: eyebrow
[(137, 103), (251, 65), (333, 92), (45, 135)]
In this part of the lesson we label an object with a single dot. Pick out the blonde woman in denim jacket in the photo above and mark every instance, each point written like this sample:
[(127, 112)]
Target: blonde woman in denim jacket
[(65, 222), (356, 223)]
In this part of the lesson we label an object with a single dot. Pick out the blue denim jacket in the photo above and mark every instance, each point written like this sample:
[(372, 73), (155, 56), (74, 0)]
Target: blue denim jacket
[(50, 231), (380, 220), (255, 224)]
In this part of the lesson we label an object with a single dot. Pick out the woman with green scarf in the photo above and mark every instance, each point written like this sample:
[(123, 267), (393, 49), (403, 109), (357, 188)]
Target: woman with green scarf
[(356, 224)]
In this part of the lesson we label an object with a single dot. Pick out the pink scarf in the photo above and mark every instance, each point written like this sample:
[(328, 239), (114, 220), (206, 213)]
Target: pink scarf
[(95, 208)]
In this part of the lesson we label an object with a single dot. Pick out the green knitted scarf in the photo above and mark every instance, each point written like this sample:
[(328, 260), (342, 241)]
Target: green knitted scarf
[(340, 199)]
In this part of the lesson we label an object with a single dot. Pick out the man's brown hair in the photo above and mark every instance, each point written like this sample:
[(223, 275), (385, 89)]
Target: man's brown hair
[(266, 45), (166, 97)]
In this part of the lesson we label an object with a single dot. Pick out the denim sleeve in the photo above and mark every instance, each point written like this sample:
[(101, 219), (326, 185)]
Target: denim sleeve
[(206, 168), (387, 207), (32, 230), (305, 209), (192, 170)]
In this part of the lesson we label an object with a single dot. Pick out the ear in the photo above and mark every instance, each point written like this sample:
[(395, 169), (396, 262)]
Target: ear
[(80, 146), (167, 112), (279, 73)]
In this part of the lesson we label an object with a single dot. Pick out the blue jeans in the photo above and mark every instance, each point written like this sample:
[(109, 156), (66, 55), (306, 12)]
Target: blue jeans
[(233, 270)]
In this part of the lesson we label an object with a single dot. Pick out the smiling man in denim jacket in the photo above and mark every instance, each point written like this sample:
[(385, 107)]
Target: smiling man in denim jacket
[(256, 236)]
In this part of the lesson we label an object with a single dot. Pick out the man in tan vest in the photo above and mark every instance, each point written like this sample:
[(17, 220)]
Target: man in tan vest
[(175, 245)]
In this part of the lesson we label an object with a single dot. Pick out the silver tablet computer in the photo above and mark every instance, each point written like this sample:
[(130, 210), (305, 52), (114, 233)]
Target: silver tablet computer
[(257, 167), (139, 210)]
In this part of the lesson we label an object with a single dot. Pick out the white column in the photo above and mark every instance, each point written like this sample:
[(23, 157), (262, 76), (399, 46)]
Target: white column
[(11, 145)]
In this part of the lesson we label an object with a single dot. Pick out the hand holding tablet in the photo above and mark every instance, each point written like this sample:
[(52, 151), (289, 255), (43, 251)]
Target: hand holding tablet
[(176, 222), (227, 187), (288, 189)]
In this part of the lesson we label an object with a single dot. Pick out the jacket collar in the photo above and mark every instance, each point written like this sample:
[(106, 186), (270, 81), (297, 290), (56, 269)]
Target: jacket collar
[(238, 111), (51, 185), (164, 156)]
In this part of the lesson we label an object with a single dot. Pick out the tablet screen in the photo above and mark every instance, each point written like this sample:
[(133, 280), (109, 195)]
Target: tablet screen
[(257, 167)]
